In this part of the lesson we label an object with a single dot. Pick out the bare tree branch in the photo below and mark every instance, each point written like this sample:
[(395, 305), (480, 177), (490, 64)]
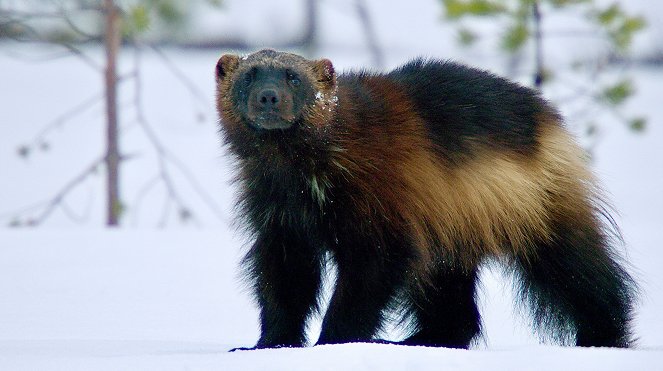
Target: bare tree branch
[(49, 205), (172, 194), (179, 75), (65, 117), (22, 17), (38, 37), (167, 202), (142, 193), (164, 156), (74, 27)]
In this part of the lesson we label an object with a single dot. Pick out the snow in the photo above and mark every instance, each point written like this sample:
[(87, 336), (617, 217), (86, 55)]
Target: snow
[(170, 300), (163, 295)]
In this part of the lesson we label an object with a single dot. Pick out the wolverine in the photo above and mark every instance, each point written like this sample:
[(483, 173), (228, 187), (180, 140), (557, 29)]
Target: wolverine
[(409, 182)]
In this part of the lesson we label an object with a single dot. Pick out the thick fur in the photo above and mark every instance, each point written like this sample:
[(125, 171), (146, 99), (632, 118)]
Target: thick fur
[(411, 180)]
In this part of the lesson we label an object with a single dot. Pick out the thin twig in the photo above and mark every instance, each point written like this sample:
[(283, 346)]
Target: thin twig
[(71, 48), (164, 155), (52, 203), (181, 77), (167, 202), (69, 212), (197, 187), (142, 193), (162, 152), (75, 28), (66, 116)]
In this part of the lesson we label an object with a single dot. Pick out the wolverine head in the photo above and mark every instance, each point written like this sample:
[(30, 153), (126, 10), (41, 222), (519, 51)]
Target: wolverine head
[(270, 90)]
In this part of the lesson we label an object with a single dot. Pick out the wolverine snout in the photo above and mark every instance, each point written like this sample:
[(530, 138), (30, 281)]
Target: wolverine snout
[(270, 108), (268, 99)]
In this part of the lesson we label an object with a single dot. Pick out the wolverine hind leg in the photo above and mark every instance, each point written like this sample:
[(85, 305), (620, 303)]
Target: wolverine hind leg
[(443, 309)]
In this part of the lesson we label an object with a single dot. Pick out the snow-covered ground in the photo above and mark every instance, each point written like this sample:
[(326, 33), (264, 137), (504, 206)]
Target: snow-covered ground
[(75, 296)]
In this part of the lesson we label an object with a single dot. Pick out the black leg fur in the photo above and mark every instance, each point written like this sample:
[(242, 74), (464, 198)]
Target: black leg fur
[(369, 275), (286, 273), (575, 286), (444, 310)]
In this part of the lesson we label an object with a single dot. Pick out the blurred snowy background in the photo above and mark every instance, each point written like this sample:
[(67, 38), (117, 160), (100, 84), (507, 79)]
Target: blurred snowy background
[(161, 290)]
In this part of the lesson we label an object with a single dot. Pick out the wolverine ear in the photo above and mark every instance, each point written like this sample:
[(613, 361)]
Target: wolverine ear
[(226, 65), (324, 72)]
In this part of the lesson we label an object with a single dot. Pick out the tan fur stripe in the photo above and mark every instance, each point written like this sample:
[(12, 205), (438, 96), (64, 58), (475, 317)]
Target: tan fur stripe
[(493, 204)]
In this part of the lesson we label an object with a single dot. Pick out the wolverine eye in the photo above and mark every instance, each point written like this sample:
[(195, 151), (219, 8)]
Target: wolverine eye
[(292, 78), (248, 77)]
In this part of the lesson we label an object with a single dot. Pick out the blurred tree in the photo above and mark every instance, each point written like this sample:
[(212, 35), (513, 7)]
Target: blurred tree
[(371, 37), (112, 39), (114, 24), (309, 39), (522, 21)]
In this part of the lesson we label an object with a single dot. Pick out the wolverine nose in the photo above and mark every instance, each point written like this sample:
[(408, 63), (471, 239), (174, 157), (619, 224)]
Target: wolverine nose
[(268, 98)]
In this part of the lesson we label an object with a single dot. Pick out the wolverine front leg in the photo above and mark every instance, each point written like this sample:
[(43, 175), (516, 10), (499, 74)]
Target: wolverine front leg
[(286, 275)]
